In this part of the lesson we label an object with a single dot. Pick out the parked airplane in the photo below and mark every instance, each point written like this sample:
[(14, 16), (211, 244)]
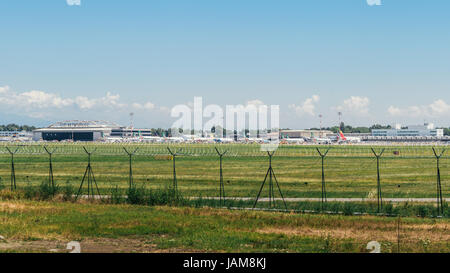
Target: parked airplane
[(341, 138), (293, 140), (223, 140), (153, 139), (320, 140)]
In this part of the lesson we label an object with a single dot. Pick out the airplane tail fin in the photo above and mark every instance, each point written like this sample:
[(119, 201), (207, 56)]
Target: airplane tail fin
[(341, 135)]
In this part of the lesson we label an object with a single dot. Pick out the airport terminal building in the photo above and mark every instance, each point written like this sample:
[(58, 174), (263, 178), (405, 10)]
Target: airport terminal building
[(75, 131), (426, 130)]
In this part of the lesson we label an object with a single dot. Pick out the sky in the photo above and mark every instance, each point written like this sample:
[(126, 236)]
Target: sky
[(376, 61)]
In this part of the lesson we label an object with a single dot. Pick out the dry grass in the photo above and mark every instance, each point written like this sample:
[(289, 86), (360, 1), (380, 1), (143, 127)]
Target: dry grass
[(45, 226)]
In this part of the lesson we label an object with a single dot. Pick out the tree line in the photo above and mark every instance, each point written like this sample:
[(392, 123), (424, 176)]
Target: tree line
[(14, 127), (349, 129)]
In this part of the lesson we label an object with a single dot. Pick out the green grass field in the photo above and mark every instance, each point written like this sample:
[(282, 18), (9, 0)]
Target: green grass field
[(350, 170), (112, 225), (30, 226)]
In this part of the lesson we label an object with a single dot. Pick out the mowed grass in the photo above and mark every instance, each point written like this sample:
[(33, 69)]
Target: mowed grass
[(30, 226), (298, 176)]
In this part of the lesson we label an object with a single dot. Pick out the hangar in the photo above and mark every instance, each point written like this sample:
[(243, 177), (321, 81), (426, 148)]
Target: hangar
[(75, 130), (284, 134)]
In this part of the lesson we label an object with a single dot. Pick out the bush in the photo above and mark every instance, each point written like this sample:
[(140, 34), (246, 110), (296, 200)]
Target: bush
[(116, 196), (388, 208), (46, 191), (348, 208), (137, 196), (68, 191), (422, 211), (165, 197), (142, 196), (30, 192)]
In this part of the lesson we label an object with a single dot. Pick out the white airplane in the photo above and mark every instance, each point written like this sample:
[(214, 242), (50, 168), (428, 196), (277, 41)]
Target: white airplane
[(174, 139), (293, 140), (197, 139), (153, 138), (203, 139), (320, 140), (223, 140), (343, 139)]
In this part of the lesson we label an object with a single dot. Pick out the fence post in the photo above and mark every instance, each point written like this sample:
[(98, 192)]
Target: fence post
[(130, 155), (440, 201), (13, 170), (379, 197), (271, 174), (324, 190), (90, 177), (174, 156), (221, 185), (51, 182)]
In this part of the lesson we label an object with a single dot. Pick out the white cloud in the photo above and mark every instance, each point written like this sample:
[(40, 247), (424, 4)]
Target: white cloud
[(307, 107), (41, 99), (73, 2), (4, 89), (145, 106), (32, 99), (256, 102), (355, 105), (84, 102), (111, 101), (373, 2), (165, 109), (437, 108), (394, 111), (34, 102)]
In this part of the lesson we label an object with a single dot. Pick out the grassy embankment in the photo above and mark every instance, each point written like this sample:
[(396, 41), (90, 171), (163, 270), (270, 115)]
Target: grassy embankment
[(31, 226)]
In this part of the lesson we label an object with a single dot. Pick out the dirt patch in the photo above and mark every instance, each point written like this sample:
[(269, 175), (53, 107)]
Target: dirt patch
[(13, 206), (434, 233), (125, 245), (10, 206)]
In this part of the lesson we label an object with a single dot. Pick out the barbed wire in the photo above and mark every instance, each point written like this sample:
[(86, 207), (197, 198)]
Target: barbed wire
[(234, 150)]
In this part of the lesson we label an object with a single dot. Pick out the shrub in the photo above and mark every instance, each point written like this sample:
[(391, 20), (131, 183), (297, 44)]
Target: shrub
[(68, 191), (388, 208), (165, 197), (46, 191), (348, 208), (137, 196), (30, 192), (116, 196), (422, 211)]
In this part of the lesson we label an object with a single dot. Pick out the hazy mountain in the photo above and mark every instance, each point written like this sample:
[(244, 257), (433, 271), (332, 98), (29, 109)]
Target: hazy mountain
[(23, 120)]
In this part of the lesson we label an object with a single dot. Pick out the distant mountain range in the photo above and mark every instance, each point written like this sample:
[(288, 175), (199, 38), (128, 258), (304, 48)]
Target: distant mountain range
[(23, 120)]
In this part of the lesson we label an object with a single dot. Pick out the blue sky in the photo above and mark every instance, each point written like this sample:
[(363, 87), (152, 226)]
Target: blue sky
[(387, 63)]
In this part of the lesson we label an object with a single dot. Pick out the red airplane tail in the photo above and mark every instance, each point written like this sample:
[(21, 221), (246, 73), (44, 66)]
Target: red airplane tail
[(341, 135)]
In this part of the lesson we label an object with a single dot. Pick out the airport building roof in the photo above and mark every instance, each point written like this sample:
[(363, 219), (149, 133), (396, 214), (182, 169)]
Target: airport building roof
[(84, 124)]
